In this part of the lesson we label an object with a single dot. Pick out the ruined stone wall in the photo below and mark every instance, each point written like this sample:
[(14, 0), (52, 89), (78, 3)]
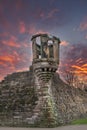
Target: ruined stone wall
[(19, 103), (71, 103), (17, 98)]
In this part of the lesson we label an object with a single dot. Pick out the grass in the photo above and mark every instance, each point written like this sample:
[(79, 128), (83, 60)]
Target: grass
[(79, 121)]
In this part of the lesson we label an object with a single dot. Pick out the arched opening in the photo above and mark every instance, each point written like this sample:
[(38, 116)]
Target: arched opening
[(38, 41), (50, 46), (38, 47)]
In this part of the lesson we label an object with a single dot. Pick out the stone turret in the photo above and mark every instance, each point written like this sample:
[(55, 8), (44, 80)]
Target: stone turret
[(45, 63), (45, 55)]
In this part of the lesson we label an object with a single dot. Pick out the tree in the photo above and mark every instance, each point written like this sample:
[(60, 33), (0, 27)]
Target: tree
[(70, 77)]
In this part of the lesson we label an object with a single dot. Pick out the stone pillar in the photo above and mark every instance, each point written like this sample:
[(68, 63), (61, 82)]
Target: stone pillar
[(56, 50), (44, 39), (34, 48)]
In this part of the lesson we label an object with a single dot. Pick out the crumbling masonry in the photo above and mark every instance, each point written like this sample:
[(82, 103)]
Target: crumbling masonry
[(45, 63), (39, 98)]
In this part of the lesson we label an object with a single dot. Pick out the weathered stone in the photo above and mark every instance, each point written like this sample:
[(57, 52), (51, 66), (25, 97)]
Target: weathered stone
[(39, 97)]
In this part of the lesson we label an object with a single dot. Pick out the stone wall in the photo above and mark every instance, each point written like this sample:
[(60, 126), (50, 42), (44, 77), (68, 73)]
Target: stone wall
[(17, 98), (19, 103), (71, 103)]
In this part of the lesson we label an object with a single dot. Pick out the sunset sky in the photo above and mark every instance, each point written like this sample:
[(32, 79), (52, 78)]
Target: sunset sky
[(20, 19)]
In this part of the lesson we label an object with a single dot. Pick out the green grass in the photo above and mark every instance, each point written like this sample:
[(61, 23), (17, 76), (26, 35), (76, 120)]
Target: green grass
[(79, 121)]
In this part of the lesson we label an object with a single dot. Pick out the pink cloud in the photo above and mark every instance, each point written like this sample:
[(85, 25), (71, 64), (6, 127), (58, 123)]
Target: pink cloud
[(52, 12), (11, 59), (64, 43), (33, 30), (15, 62), (83, 25), (48, 15), (39, 14), (22, 28), (11, 43), (12, 37), (2, 63), (31, 58), (7, 58), (12, 63), (26, 44), (23, 69), (5, 34), (42, 14)]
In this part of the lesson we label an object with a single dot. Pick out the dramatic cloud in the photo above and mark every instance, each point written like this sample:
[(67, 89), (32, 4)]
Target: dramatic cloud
[(15, 62), (81, 69), (75, 59), (11, 43), (15, 56), (20, 19), (10, 40)]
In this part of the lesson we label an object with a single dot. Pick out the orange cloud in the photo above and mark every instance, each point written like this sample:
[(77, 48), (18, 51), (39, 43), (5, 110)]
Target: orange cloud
[(79, 61), (64, 43), (11, 43), (7, 65), (7, 58), (12, 59), (81, 68), (77, 65), (23, 69), (85, 65), (1, 78), (3, 64), (81, 72), (14, 63)]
